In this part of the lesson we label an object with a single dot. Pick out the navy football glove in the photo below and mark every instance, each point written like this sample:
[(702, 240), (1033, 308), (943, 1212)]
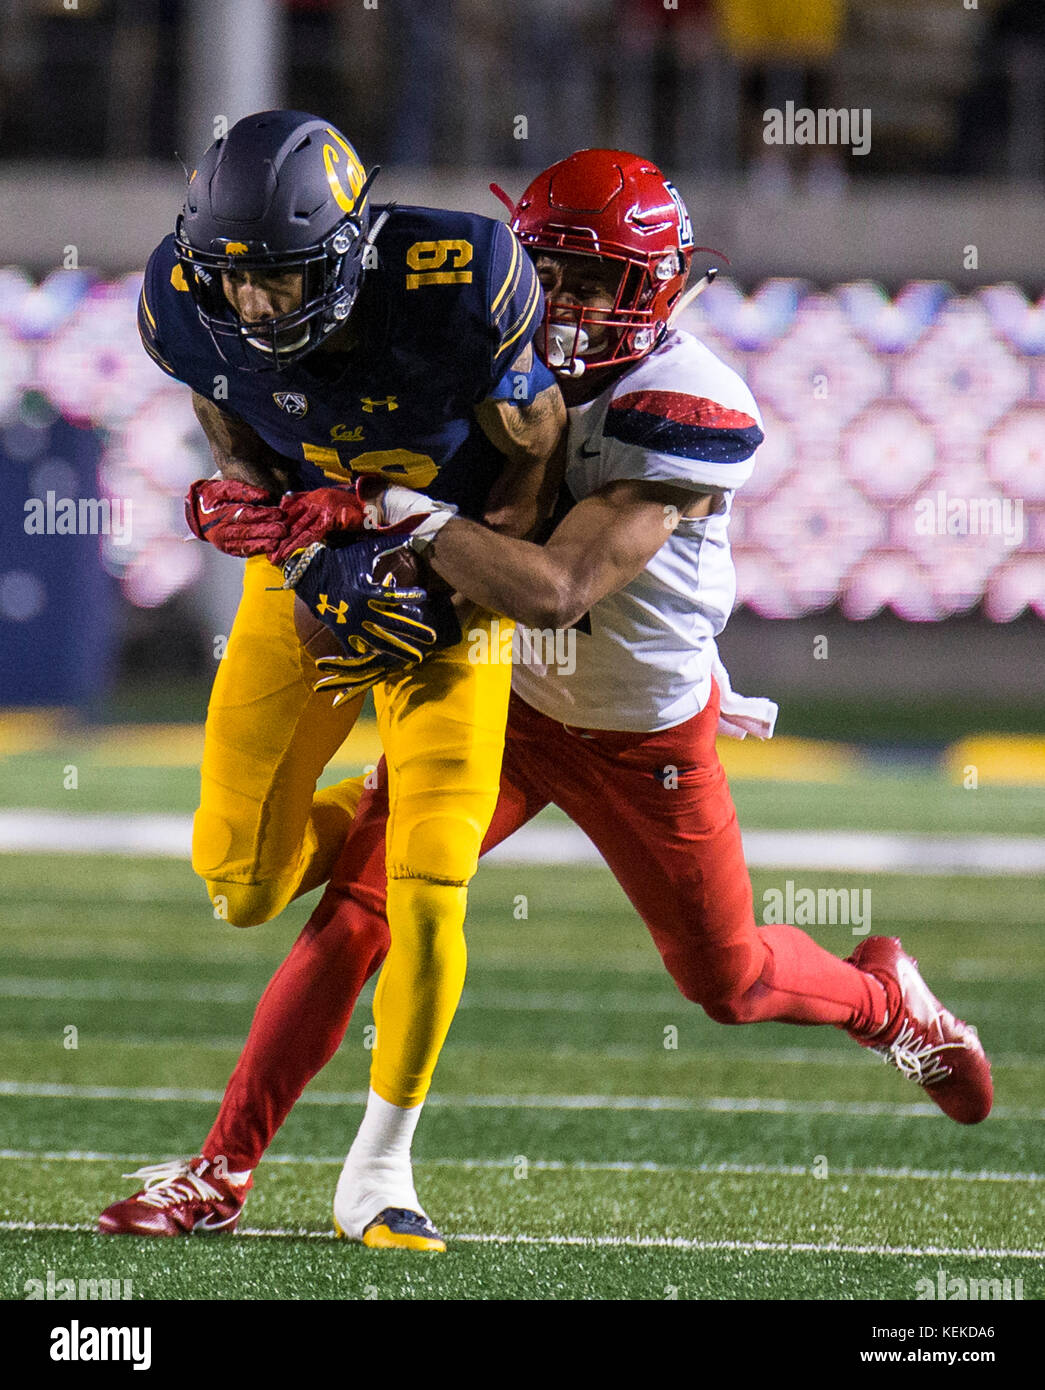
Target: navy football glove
[(382, 626)]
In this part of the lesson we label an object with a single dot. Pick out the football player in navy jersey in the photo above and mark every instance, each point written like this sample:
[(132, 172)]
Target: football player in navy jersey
[(661, 434), (326, 340)]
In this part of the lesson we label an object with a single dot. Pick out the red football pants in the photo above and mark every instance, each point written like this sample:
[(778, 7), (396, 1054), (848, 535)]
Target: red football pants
[(658, 808)]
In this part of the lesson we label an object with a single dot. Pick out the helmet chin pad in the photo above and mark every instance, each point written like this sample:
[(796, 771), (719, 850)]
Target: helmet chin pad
[(262, 346), (565, 340), (278, 342)]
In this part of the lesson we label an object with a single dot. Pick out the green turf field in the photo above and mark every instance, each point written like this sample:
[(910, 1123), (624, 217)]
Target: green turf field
[(876, 798), (568, 1152)]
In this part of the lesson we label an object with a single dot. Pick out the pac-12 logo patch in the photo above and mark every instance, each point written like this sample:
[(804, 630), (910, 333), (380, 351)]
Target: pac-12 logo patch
[(293, 402)]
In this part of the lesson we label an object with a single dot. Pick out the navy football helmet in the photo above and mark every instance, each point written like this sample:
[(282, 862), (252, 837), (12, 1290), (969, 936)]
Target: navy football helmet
[(282, 191)]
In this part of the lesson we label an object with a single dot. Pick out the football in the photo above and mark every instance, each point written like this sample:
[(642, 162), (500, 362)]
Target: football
[(402, 565)]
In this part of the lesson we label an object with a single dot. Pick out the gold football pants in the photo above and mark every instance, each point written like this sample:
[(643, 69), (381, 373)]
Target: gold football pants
[(263, 835)]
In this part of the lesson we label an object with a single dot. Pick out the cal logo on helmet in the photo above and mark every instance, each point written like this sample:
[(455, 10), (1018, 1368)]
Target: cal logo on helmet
[(293, 402)]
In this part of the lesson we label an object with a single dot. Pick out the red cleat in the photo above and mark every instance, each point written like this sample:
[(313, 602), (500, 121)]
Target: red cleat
[(922, 1039), (182, 1198)]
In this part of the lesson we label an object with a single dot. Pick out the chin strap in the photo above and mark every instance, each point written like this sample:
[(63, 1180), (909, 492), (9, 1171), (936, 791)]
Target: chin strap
[(376, 226)]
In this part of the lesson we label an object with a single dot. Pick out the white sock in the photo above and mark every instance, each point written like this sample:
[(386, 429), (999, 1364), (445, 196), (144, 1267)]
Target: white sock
[(385, 1129), (377, 1172)]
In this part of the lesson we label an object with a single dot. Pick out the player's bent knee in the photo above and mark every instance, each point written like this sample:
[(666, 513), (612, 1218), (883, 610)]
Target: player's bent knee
[(728, 984), (735, 1009), (738, 1001), (442, 849), (725, 999), (248, 904)]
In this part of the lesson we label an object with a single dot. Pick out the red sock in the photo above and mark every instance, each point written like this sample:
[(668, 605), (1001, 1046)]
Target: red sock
[(802, 983), (298, 1026), (302, 1016)]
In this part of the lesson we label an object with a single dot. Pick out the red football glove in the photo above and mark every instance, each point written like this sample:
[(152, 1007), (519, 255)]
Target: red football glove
[(238, 518), (312, 516)]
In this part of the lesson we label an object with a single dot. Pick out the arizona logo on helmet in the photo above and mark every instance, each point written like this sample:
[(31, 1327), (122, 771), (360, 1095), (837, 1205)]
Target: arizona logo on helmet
[(685, 226)]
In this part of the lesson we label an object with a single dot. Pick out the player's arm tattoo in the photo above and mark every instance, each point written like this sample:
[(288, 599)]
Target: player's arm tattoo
[(600, 546), (532, 438), (239, 452)]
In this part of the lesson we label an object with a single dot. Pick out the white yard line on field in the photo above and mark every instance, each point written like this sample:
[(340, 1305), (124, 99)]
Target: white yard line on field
[(475, 997), (770, 1247), (743, 1170), (59, 987), (61, 832), (73, 832), (614, 1052), (759, 1105)]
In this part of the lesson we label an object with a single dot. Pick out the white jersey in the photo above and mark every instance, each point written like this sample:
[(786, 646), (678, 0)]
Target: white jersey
[(680, 416)]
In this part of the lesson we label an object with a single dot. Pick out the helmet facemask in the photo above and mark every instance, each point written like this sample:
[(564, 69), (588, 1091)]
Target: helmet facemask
[(331, 273), (622, 332)]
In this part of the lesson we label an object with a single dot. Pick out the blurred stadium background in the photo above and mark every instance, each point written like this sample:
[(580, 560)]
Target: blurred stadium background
[(883, 307), (886, 309)]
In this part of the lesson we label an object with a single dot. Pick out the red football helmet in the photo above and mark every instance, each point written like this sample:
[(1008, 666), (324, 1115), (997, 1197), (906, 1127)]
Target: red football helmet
[(616, 206)]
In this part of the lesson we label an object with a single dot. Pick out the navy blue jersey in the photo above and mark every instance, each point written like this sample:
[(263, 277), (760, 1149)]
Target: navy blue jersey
[(443, 321)]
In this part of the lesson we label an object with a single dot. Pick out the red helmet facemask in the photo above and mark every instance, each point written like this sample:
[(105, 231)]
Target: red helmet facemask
[(622, 209)]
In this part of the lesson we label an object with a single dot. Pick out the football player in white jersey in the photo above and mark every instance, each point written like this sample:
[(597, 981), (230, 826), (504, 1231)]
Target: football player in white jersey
[(638, 571)]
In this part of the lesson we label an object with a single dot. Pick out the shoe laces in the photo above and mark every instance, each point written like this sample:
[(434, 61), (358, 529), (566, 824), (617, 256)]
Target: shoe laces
[(915, 1056), (169, 1183)]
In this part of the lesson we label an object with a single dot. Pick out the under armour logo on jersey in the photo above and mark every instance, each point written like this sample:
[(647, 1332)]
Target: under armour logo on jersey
[(370, 405), (325, 606), (293, 402)]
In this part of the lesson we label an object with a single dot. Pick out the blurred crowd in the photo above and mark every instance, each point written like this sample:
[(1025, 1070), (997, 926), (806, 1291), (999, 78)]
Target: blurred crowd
[(932, 402), (954, 86)]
